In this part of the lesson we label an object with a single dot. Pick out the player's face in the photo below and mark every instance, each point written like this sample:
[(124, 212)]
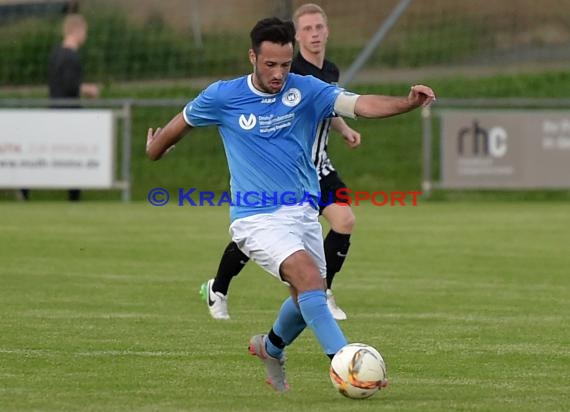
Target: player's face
[(271, 66), (312, 33), (81, 34)]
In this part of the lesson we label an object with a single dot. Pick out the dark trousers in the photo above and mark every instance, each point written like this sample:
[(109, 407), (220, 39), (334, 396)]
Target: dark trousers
[(74, 195)]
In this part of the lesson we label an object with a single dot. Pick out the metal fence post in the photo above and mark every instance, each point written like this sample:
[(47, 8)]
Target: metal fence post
[(284, 9), (375, 41), (196, 24), (126, 158), (426, 151)]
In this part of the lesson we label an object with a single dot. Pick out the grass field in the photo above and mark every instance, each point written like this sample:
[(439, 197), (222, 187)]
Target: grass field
[(469, 304)]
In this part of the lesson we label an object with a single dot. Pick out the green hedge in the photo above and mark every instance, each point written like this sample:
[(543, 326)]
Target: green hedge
[(388, 159), (118, 49)]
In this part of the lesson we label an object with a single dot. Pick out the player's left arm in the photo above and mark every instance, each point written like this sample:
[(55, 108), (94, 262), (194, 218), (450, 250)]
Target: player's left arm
[(351, 136), (378, 106), (162, 140), (375, 106)]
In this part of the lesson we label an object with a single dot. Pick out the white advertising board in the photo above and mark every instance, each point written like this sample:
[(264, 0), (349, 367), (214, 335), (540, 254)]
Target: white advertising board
[(56, 148)]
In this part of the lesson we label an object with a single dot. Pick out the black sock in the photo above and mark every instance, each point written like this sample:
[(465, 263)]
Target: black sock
[(336, 248), (276, 339), (232, 262)]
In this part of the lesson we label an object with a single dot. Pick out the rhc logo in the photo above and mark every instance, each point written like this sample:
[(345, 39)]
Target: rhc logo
[(483, 143), (247, 123)]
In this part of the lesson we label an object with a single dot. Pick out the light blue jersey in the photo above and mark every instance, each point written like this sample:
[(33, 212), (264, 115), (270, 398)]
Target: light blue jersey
[(268, 138)]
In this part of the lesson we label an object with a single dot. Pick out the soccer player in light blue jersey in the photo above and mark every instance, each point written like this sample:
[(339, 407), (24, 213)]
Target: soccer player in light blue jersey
[(267, 123), (312, 35)]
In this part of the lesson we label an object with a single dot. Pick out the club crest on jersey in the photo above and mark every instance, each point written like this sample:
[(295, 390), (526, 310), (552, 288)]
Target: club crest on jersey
[(291, 97), (247, 123)]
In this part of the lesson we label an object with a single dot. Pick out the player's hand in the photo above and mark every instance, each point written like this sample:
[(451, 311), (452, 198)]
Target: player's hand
[(351, 137), (90, 90), (421, 95), (151, 136)]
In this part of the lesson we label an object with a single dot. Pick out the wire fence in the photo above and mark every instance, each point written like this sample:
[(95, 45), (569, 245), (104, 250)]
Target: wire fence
[(141, 40)]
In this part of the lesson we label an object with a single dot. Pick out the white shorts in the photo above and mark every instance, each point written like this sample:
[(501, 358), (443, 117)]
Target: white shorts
[(270, 238)]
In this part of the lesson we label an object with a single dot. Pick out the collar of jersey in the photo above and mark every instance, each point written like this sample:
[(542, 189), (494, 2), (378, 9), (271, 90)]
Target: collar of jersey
[(260, 93)]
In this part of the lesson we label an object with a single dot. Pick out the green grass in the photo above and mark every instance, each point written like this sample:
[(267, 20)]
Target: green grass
[(468, 303)]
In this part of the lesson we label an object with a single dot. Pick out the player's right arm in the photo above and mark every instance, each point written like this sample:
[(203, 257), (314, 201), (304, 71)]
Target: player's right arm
[(202, 111), (162, 140), (351, 136)]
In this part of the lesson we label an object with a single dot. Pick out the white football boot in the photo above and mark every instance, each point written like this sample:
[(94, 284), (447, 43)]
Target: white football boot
[(337, 312), (217, 302)]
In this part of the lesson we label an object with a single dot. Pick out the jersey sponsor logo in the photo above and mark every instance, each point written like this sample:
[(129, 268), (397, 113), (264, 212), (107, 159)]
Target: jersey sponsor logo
[(272, 123), (291, 97), (247, 123), (268, 100)]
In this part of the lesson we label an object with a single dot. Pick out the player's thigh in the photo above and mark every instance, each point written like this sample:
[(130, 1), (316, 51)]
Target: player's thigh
[(333, 207), (267, 239), (313, 240)]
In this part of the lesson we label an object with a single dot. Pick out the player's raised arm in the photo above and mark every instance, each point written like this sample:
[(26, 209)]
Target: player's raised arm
[(377, 106), (161, 141)]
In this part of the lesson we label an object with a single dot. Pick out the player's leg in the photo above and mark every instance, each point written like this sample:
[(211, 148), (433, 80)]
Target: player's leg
[(270, 348), (23, 194), (232, 262), (306, 306), (74, 195), (305, 277), (267, 241), (305, 270), (337, 242), (287, 327), (270, 241), (312, 301), (214, 292)]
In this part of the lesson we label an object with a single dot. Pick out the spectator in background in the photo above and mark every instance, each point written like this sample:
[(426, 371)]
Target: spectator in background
[(65, 76)]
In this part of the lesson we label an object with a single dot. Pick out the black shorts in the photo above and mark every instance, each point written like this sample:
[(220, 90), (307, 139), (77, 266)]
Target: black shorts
[(330, 184)]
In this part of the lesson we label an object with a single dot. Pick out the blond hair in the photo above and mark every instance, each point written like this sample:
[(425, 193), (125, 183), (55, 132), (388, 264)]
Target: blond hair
[(308, 8), (73, 22)]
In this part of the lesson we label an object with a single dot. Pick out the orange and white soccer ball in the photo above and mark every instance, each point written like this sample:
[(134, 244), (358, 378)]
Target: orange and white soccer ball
[(358, 371)]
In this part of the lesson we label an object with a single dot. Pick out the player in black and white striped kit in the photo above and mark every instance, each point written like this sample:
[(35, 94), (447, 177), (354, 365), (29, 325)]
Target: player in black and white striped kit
[(311, 34)]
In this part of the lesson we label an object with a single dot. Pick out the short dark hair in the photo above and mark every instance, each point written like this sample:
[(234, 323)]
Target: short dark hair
[(274, 30)]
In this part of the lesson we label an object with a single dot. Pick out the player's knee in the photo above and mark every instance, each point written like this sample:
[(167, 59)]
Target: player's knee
[(304, 278), (301, 272), (344, 223), (311, 281)]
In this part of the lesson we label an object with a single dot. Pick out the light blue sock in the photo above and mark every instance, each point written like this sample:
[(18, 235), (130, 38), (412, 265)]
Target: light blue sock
[(288, 325), (313, 305)]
